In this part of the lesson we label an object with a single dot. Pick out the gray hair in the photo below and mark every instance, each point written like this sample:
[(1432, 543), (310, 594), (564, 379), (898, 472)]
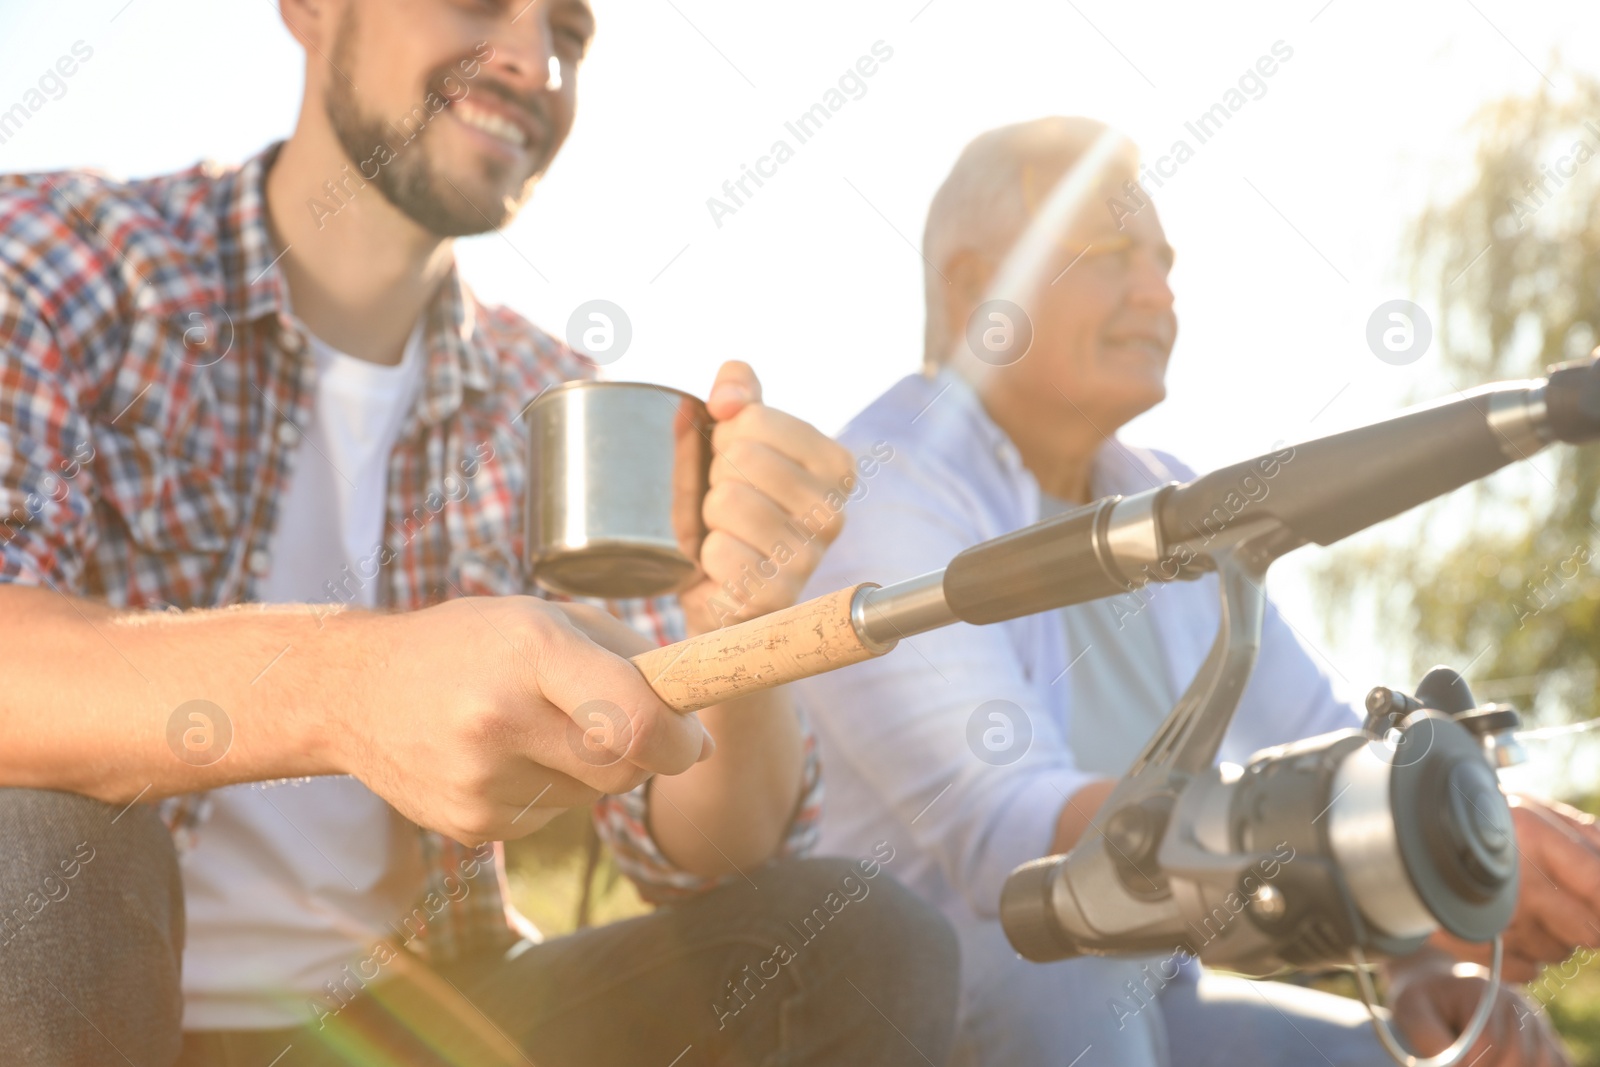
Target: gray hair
[(998, 181)]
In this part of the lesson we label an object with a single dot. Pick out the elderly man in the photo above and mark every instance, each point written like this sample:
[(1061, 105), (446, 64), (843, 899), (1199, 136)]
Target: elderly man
[(979, 748), (261, 462)]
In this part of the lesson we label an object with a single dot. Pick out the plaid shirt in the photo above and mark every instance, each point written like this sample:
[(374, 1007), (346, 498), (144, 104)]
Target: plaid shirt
[(152, 386)]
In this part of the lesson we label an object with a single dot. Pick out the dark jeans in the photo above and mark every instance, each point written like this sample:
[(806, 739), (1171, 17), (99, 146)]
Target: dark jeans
[(806, 962)]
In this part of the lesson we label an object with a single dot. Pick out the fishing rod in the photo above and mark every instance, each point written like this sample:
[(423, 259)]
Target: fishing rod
[(1333, 850), (1330, 851), (1316, 492)]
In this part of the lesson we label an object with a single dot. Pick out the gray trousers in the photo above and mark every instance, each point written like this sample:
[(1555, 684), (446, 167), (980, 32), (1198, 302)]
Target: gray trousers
[(91, 945)]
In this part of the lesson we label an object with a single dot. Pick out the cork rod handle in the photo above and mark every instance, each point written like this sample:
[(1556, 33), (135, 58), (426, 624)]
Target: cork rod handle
[(798, 642)]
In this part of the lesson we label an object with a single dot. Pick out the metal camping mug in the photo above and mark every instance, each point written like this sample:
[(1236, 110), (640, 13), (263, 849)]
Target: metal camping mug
[(617, 475)]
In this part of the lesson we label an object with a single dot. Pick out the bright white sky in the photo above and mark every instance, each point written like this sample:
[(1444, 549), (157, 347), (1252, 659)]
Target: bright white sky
[(1287, 222)]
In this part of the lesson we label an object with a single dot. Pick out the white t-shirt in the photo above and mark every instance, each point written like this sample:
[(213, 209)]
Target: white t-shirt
[(292, 881)]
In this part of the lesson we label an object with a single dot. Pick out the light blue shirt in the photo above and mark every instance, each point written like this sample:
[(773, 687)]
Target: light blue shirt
[(957, 747), (1113, 677)]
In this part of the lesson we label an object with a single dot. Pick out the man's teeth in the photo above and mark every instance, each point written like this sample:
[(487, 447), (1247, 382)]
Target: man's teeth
[(492, 124)]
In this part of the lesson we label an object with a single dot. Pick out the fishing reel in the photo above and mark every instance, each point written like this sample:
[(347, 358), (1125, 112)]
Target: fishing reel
[(1361, 839), (1329, 851)]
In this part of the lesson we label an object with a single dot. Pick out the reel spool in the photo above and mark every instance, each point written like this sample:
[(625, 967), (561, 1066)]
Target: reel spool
[(1324, 852), (1361, 839)]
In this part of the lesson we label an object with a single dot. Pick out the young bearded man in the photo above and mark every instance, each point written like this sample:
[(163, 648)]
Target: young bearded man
[(990, 746), (260, 475)]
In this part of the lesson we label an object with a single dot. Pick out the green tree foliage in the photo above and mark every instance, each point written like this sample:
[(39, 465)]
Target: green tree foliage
[(1512, 264)]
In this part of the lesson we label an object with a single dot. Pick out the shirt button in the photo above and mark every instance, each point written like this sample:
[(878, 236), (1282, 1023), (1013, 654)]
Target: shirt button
[(291, 342), (288, 433), (260, 562), (149, 523)]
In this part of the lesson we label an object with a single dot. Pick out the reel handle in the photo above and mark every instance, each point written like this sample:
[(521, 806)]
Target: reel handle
[(1458, 1048), (809, 638)]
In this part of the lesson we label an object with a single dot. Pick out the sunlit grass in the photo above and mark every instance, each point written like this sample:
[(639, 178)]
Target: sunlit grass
[(1576, 1013), (546, 875)]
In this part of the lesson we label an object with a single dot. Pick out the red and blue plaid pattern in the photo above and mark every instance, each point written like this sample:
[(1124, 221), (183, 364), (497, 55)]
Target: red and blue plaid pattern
[(151, 391)]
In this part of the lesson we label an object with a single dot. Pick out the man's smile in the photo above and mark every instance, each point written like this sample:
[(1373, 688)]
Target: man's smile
[(494, 124)]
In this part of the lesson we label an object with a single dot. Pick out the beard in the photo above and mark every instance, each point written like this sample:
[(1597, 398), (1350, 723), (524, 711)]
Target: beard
[(407, 177)]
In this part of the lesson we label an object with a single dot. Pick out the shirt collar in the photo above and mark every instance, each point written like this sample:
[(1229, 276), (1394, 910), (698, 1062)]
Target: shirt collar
[(1116, 468), (246, 243), (459, 356), (948, 382)]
